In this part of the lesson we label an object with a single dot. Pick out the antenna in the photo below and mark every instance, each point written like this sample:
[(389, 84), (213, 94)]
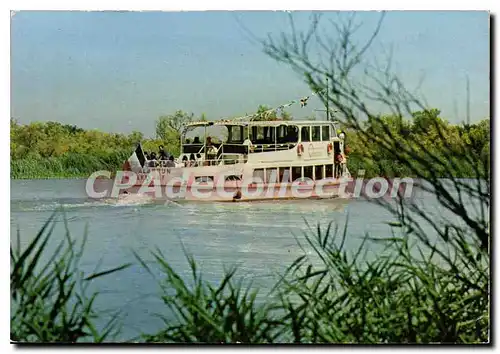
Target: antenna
[(327, 109), (468, 101)]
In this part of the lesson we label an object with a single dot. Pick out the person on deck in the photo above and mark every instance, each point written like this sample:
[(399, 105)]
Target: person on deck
[(162, 155), (192, 161), (170, 162), (210, 149), (152, 162)]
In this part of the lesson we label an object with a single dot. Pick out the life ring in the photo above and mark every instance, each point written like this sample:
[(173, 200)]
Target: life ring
[(330, 148), (300, 149)]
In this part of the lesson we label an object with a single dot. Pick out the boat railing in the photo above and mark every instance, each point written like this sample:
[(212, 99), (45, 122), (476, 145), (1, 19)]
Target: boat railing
[(272, 147), (234, 149), (193, 148)]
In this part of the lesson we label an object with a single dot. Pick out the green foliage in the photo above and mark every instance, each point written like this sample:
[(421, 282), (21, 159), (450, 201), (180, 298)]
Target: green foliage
[(263, 115), (228, 313), (49, 300), (169, 129), (44, 150), (431, 138), (51, 149)]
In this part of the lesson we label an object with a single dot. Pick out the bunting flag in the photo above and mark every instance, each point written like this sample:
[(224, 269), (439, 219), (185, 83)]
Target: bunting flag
[(136, 161), (279, 109)]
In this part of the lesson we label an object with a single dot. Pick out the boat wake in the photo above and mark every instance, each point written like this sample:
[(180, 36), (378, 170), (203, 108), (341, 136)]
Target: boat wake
[(129, 200), (78, 203)]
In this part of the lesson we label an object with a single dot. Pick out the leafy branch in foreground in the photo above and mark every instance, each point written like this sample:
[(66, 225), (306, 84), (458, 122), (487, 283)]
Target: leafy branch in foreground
[(356, 86), (461, 224), (49, 302)]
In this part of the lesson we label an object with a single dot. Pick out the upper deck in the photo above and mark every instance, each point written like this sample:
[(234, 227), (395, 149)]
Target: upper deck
[(260, 141)]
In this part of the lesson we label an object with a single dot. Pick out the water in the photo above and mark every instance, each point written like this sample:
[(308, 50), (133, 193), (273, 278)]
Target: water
[(258, 237)]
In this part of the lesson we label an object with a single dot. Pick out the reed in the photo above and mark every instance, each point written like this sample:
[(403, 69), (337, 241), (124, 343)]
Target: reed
[(414, 291), (406, 295), (49, 292), (69, 165)]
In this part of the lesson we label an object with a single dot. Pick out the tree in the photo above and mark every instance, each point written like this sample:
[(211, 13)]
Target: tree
[(171, 125), (341, 60), (265, 113)]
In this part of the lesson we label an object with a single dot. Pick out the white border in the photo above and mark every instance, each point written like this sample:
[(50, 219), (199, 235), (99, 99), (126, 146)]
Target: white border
[(185, 6)]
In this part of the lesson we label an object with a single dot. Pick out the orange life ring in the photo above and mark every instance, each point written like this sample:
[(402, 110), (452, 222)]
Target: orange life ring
[(330, 148), (300, 149)]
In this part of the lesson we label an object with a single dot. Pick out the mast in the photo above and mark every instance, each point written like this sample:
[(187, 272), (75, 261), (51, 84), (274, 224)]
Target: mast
[(468, 101), (327, 110)]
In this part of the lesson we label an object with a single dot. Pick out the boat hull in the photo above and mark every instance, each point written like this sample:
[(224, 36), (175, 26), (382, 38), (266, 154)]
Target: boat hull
[(229, 191)]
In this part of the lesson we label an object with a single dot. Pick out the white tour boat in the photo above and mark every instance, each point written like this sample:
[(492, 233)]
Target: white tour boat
[(257, 160)]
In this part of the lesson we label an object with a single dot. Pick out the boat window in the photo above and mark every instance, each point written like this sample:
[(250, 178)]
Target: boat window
[(308, 172), (233, 178), (258, 174), (325, 133), (318, 172), (284, 174), (329, 171), (257, 134), (204, 179), (336, 147), (316, 133), (304, 134), (234, 134), (271, 175), (281, 134), (292, 134), (296, 173)]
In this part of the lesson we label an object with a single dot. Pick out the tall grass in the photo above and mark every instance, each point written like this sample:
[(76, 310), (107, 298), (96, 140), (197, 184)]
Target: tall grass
[(66, 166), (405, 295), (49, 297), (423, 293)]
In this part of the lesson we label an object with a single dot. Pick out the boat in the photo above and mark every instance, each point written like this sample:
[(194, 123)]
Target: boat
[(258, 160), (255, 161)]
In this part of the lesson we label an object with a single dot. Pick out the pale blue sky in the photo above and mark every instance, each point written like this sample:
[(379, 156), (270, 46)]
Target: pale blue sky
[(119, 71)]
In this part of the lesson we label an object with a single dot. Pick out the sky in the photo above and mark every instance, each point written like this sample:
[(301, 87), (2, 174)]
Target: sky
[(120, 71)]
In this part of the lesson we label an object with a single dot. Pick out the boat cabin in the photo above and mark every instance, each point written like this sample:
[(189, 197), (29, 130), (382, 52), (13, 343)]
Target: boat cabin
[(258, 142)]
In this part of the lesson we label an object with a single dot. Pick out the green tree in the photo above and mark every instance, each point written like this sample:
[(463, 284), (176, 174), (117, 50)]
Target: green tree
[(264, 113), (171, 125)]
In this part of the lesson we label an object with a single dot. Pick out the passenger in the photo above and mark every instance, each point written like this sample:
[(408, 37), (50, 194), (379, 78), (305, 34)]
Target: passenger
[(192, 161), (210, 149), (248, 143), (152, 161), (196, 140), (162, 154), (170, 162), (338, 162), (185, 161), (188, 141)]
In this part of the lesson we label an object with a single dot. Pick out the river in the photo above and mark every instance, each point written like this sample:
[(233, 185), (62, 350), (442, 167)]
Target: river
[(260, 238)]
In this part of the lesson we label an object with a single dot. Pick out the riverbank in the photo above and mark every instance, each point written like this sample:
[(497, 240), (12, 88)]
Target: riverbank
[(64, 167), (53, 150)]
